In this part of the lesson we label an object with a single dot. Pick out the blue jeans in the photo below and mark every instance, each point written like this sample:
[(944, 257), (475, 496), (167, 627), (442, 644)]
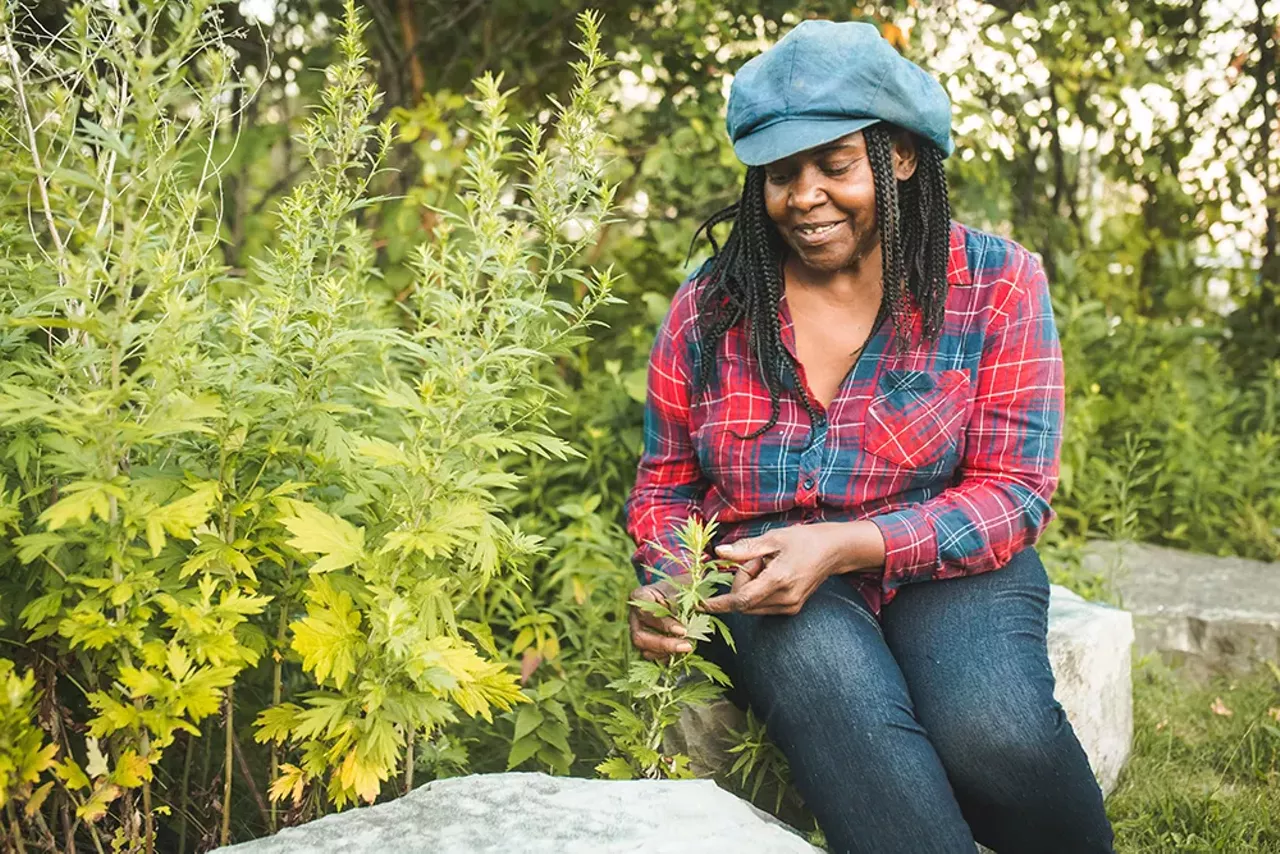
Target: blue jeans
[(930, 728)]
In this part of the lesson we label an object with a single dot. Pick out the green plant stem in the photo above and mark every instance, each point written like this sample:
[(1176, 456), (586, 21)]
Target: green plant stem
[(148, 820), (653, 736), (276, 694), (186, 794), (97, 840), (15, 829), (227, 769), (409, 760), (33, 146)]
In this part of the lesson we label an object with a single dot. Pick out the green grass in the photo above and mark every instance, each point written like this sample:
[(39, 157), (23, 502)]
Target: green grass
[(1201, 780)]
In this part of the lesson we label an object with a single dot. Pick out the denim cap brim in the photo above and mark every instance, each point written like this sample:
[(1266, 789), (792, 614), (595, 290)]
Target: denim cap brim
[(791, 136)]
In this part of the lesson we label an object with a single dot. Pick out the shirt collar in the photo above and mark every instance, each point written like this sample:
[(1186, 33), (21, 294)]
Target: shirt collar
[(957, 258)]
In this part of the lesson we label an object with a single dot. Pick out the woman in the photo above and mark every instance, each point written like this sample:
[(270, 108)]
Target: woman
[(868, 397)]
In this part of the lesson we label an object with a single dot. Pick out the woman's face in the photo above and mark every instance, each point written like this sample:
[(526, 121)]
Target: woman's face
[(823, 201)]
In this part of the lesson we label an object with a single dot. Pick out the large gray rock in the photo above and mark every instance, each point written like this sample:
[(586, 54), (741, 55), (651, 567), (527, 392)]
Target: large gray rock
[(537, 814), (1205, 614), (1089, 649)]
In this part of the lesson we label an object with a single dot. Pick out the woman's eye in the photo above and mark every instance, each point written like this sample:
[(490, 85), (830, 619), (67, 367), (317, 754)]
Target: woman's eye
[(778, 178), (837, 169)]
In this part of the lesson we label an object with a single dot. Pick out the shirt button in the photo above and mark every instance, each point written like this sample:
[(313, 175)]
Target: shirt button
[(808, 483)]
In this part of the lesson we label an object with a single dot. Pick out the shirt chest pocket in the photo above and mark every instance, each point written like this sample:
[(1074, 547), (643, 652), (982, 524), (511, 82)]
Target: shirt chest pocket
[(915, 417)]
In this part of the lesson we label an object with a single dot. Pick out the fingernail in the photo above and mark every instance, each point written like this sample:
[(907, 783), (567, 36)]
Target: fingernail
[(725, 549), (679, 631), (684, 647)]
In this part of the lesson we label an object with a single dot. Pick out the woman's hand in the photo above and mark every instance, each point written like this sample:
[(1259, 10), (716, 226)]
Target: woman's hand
[(779, 571), (656, 637)]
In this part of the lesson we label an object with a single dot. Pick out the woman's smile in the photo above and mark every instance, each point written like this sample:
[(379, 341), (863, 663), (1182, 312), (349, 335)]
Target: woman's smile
[(823, 203), (820, 233)]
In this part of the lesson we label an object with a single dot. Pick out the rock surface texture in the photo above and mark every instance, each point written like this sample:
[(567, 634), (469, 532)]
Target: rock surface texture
[(1089, 649), (537, 814), (1207, 615)]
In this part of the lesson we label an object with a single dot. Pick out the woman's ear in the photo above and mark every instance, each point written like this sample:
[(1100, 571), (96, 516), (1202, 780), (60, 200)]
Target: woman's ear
[(904, 156)]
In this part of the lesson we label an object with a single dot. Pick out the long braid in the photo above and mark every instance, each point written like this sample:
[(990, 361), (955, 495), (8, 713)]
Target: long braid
[(924, 213), (743, 280), (888, 220), (933, 250)]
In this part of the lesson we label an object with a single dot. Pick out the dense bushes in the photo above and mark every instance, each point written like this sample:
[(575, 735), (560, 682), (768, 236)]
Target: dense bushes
[(1165, 442), (264, 502)]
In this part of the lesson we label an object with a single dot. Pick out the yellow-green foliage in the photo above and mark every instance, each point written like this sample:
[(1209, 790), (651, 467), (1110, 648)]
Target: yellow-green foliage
[(24, 755), (218, 475)]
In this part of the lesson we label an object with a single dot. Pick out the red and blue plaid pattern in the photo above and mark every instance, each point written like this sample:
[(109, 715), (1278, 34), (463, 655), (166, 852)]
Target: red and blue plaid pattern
[(950, 448)]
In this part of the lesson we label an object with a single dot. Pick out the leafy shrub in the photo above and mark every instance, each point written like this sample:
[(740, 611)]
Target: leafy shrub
[(268, 496), (1164, 442)]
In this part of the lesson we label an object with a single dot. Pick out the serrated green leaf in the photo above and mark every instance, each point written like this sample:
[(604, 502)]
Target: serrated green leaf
[(317, 532)]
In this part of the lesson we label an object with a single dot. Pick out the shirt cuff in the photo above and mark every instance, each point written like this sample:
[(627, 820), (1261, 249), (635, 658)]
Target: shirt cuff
[(910, 547)]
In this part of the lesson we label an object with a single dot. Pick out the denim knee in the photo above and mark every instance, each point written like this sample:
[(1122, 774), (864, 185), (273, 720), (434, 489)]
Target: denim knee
[(1003, 751), (805, 661)]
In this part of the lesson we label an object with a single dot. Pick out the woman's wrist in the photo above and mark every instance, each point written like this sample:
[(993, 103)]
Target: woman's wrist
[(861, 547)]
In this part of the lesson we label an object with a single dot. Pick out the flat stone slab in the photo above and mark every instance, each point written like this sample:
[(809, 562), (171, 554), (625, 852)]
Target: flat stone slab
[(1089, 650), (1206, 615), (537, 814)]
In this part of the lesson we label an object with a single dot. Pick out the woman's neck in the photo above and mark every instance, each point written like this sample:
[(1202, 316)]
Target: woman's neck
[(850, 287)]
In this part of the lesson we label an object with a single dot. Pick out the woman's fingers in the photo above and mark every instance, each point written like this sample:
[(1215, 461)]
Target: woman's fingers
[(655, 635), (652, 644), (749, 547), (748, 594), (661, 625), (748, 569)]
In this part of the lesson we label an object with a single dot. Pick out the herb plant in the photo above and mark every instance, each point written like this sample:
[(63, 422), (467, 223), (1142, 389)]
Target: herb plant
[(263, 505), (654, 693)]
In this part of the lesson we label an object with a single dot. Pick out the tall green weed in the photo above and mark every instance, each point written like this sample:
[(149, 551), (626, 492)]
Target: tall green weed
[(269, 503)]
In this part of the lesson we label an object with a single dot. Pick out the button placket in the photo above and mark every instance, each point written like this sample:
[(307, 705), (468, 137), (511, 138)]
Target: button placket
[(811, 464)]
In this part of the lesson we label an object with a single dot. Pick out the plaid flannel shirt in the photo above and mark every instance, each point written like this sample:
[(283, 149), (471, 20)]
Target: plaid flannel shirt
[(950, 449)]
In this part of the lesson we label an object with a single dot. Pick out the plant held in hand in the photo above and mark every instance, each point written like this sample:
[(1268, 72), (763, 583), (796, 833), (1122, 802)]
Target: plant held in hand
[(660, 689)]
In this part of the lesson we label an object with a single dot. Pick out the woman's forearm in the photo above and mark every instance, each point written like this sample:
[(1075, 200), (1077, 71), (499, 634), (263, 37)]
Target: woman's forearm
[(862, 547)]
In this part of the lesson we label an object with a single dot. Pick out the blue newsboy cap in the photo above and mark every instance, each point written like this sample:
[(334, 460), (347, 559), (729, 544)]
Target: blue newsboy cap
[(823, 80)]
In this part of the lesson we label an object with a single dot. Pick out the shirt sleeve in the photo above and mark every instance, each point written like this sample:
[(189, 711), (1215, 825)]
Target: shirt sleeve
[(999, 504), (669, 484)]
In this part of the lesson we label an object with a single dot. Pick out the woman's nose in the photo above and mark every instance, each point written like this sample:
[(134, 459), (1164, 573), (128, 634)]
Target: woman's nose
[(807, 191)]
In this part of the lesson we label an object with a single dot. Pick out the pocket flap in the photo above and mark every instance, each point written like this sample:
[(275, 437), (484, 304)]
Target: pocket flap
[(915, 416), (901, 387)]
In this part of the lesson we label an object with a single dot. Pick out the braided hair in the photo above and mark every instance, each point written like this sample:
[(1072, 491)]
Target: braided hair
[(743, 279)]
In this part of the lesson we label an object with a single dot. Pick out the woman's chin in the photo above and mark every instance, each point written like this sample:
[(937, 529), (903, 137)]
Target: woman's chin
[(825, 259)]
